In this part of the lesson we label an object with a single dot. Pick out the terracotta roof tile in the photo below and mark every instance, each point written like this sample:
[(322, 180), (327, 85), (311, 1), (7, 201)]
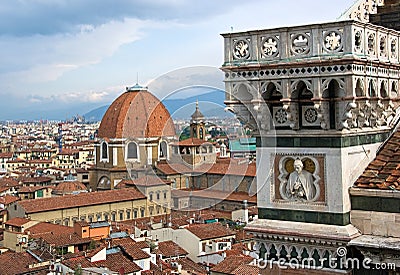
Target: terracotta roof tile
[(145, 181), (383, 172), (231, 263), (30, 189), (63, 239), (8, 199), (191, 266), (210, 231), (81, 199), (8, 182), (246, 270), (170, 249), (26, 180), (136, 114), (220, 168), (45, 227), (17, 222), (18, 263), (68, 187), (131, 248), (114, 262), (191, 142)]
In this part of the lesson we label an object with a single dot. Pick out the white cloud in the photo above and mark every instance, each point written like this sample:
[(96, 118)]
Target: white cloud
[(49, 57)]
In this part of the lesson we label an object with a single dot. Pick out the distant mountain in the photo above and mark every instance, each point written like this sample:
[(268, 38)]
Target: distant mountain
[(211, 105), (96, 114)]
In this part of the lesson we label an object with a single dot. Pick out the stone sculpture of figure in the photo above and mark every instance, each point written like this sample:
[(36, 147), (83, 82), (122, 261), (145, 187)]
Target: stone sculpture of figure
[(300, 183)]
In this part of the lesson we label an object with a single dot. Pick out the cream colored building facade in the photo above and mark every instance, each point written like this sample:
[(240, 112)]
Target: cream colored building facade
[(114, 205)]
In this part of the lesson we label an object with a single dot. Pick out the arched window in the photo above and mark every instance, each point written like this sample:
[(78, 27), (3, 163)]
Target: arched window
[(104, 183), (132, 150), (104, 150), (163, 151)]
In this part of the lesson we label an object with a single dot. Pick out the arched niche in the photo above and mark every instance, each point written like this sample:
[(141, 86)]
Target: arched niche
[(359, 89), (331, 94), (371, 88), (243, 93), (104, 183), (383, 89), (272, 97), (302, 96)]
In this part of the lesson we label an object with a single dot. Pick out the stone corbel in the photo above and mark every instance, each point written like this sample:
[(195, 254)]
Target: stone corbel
[(262, 114), (364, 113), (389, 112), (292, 111), (322, 109), (349, 116)]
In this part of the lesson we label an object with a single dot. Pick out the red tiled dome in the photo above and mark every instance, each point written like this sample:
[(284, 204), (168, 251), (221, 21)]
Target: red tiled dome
[(69, 187), (136, 113)]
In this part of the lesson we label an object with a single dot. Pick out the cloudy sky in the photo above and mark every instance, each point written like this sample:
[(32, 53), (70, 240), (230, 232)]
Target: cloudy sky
[(63, 57)]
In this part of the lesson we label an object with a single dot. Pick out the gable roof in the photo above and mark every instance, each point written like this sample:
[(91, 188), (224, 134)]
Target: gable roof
[(131, 248), (170, 249), (18, 263), (45, 227), (18, 222), (115, 262), (210, 231)]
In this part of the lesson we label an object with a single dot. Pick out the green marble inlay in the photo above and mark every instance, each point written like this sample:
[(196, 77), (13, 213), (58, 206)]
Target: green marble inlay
[(378, 204), (304, 216)]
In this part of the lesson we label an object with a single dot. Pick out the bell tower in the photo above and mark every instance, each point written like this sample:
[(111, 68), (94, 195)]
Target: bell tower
[(197, 125), (320, 99)]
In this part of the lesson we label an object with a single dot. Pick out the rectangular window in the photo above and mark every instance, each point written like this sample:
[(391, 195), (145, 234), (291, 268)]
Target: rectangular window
[(142, 213), (135, 214), (85, 177), (128, 214), (121, 216), (40, 193)]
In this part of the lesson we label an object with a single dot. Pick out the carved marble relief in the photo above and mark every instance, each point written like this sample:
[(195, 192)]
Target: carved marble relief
[(241, 49), (358, 41), (371, 44), (367, 113), (270, 47), (332, 40), (300, 43), (299, 178), (393, 48)]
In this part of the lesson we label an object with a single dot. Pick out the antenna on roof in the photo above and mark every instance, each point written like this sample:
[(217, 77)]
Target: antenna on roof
[(137, 78)]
